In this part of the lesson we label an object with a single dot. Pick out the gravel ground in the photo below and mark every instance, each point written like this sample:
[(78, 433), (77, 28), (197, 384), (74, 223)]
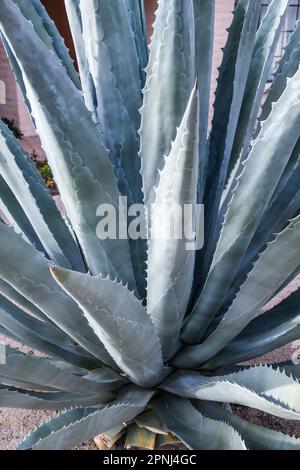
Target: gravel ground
[(16, 424)]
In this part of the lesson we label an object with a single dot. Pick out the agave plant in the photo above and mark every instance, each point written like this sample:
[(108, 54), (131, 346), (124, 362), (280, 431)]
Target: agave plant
[(145, 339)]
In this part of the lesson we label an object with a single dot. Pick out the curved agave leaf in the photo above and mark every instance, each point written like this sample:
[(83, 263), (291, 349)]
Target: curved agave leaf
[(33, 370), (287, 211), (204, 14), (288, 281), (55, 424), (17, 73), (27, 271), (28, 187), (283, 206), (76, 426), (23, 399), (15, 382), (58, 43), (20, 301), (20, 383), (106, 28), (170, 79), (67, 366), (157, 29), (287, 67), (40, 336), (88, 87), (232, 81), (264, 49), (78, 159), (124, 328), (259, 387), (193, 428), (255, 437), (106, 376), (290, 368), (288, 179), (254, 189), (259, 287), (137, 18), (170, 262), (16, 215), (264, 334), (34, 11)]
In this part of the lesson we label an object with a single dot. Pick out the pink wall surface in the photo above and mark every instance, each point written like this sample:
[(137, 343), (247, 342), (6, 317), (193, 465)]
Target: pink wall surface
[(14, 108), (223, 18)]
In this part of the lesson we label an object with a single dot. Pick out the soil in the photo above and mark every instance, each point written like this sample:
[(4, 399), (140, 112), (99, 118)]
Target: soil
[(16, 424)]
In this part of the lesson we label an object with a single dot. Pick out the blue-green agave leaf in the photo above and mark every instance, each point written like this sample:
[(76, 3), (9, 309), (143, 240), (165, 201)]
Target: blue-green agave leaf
[(34, 11), (291, 368), (255, 437), (17, 73), (259, 387), (88, 87), (75, 426), (20, 301), (259, 287), (124, 327), (28, 187), (58, 43), (33, 370), (11, 397), (262, 53), (136, 12), (40, 336), (106, 28), (79, 160), (170, 261), (232, 81), (16, 216), (287, 67), (265, 46), (27, 271), (254, 189), (270, 330), (194, 429), (286, 197), (55, 424), (170, 79), (204, 14), (283, 206)]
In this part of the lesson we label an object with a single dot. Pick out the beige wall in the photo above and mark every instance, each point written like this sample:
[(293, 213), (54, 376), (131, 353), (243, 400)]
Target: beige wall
[(14, 107)]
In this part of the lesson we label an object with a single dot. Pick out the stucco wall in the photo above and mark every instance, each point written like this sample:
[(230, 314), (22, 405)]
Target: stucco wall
[(14, 107), (8, 109), (223, 18)]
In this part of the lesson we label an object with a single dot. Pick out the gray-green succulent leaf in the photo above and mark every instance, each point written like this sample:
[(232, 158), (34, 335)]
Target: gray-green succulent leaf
[(138, 337)]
